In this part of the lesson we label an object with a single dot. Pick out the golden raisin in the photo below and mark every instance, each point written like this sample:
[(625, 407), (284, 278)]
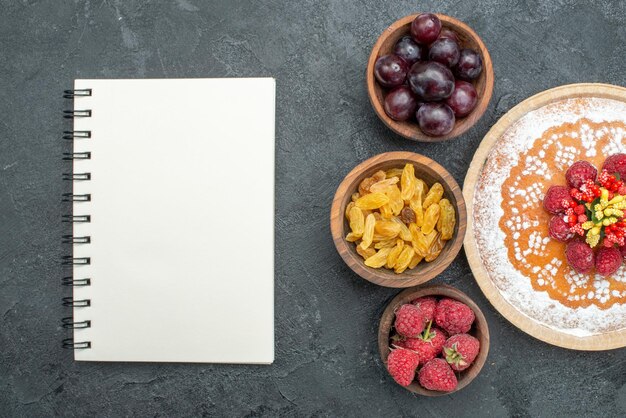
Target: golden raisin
[(431, 216), (394, 172), (421, 243), (387, 228), (383, 185), (433, 195), (405, 234), (416, 206), (355, 197), (395, 200), (407, 182), (367, 253), (425, 186), (393, 255), (435, 249), (379, 259), (357, 221), (386, 243), (420, 189), (447, 219), (404, 259), (348, 207), (366, 183), (415, 261), (372, 201), (368, 231), (352, 237), (385, 211)]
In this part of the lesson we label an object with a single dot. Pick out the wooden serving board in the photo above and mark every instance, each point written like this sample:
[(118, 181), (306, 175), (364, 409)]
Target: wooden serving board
[(532, 326)]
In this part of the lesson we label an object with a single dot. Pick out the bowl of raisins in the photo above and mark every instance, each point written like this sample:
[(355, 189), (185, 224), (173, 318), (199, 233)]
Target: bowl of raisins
[(398, 219), (429, 77)]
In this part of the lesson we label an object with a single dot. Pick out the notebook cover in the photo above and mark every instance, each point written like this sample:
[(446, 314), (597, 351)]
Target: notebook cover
[(182, 220)]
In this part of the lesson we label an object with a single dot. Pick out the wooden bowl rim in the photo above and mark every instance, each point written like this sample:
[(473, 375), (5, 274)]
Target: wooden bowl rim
[(607, 341), (441, 290), (384, 277), (468, 121)]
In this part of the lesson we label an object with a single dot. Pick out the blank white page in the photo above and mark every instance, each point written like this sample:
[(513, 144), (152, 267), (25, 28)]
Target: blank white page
[(182, 220)]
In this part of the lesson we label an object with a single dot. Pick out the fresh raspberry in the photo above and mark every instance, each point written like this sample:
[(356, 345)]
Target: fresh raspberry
[(409, 321), (554, 199), (579, 172), (461, 350), (559, 229), (608, 260), (622, 249), (582, 219), (428, 345), (427, 305), (437, 375), (622, 190), (453, 316), (616, 164), (579, 256), (401, 365)]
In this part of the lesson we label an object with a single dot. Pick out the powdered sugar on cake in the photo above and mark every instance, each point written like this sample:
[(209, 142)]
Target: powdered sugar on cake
[(526, 266)]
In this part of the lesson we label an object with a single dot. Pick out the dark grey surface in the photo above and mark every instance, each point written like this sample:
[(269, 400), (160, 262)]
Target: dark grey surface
[(326, 317)]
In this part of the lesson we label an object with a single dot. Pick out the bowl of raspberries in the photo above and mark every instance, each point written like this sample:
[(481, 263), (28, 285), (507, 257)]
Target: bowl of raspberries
[(429, 77), (588, 215), (434, 340)]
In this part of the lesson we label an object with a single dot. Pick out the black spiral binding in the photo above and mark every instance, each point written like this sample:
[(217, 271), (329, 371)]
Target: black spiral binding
[(70, 260), (76, 134)]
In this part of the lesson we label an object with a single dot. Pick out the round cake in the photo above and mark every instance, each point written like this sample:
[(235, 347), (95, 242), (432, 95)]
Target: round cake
[(510, 226)]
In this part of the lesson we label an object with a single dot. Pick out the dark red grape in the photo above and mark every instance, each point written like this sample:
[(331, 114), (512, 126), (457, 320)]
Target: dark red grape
[(431, 80), (425, 28), (463, 98), (390, 70), (469, 66), (445, 51), (448, 34), (435, 119), (409, 50), (400, 104)]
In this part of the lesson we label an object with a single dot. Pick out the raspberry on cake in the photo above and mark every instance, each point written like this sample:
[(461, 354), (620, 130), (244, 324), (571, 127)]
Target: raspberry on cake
[(557, 199), (580, 256), (608, 260), (596, 213), (616, 164), (579, 173), (559, 229)]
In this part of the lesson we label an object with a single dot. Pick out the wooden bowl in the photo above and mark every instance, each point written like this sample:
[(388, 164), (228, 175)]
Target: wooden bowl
[(480, 330), (483, 84), (429, 171)]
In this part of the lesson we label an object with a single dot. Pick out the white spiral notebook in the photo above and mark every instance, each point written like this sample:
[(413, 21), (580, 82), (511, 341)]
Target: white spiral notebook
[(173, 220)]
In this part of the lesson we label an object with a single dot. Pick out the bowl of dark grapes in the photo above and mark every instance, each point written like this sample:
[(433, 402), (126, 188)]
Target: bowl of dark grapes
[(429, 77)]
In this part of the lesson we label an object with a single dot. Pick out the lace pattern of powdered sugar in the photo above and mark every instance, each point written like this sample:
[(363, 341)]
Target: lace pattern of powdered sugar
[(505, 154)]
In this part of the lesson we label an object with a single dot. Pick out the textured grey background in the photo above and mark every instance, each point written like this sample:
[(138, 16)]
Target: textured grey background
[(326, 318)]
